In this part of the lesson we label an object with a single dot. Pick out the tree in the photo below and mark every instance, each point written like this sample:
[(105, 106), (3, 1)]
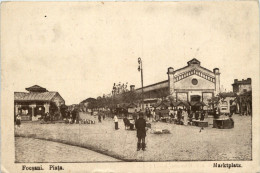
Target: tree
[(213, 101), (92, 104), (130, 97)]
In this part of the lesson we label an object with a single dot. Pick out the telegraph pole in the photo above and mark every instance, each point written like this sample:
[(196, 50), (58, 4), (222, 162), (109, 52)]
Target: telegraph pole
[(140, 68)]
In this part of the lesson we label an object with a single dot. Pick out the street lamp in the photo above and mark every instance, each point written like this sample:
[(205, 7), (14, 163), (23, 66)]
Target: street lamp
[(140, 68)]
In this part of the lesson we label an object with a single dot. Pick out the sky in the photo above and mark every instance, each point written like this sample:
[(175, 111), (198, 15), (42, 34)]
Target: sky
[(80, 49)]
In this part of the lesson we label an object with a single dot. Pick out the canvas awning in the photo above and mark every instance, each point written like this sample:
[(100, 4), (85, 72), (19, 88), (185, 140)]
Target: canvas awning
[(174, 104), (183, 103), (132, 105), (162, 104)]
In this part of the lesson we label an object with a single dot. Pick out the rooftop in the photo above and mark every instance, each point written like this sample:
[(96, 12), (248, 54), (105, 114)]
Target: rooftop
[(243, 81), (36, 93), (34, 96), (227, 94), (36, 88)]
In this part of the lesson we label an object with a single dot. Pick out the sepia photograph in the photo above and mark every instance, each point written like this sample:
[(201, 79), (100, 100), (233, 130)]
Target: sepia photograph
[(115, 83)]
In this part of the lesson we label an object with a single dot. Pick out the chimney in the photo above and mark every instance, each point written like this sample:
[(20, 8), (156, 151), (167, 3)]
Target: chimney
[(216, 70), (170, 70), (217, 80), (171, 81), (236, 80), (132, 87)]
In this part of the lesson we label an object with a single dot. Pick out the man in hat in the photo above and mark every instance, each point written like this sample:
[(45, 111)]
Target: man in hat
[(140, 125)]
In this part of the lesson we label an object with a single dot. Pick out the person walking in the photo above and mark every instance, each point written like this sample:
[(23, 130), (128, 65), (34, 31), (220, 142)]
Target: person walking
[(140, 125), (116, 122)]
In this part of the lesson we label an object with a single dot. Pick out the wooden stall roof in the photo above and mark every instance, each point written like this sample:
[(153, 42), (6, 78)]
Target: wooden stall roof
[(35, 96)]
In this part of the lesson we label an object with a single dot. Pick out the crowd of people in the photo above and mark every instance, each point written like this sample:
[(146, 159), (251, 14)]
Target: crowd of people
[(178, 116)]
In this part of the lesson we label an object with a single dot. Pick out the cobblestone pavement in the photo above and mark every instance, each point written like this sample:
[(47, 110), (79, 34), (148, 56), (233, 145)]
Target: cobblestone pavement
[(184, 142), (35, 150)]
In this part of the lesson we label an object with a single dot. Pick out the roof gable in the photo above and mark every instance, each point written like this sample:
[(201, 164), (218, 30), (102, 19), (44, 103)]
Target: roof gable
[(57, 96), (194, 71), (193, 64), (193, 61)]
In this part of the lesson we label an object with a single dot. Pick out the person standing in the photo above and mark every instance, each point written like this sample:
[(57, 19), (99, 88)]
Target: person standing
[(135, 115), (99, 117), (153, 116), (185, 117), (18, 120), (116, 122), (140, 125), (148, 114), (104, 115), (179, 115), (157, 116), (47, 117), (202, 115), (197, 115), (188, 111), (74, 115)]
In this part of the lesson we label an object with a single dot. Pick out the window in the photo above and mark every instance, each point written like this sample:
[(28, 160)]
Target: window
[(194, 81)]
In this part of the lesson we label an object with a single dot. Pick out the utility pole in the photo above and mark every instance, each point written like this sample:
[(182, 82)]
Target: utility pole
[(140, 68)]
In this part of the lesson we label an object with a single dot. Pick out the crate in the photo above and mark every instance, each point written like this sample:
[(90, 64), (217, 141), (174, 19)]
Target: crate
[(223, 124), (148, 125)]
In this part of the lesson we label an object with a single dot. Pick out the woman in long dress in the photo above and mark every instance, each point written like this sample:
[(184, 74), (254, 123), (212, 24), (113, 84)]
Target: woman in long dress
[(185, 115), (18, 120)]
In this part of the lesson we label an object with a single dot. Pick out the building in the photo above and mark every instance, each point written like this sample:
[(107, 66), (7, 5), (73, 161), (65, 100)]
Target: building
[(36, 102), (192, 83), (243, 89), (243, 86)]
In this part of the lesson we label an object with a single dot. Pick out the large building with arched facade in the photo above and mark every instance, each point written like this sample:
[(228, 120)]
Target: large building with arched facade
[(192, 83)]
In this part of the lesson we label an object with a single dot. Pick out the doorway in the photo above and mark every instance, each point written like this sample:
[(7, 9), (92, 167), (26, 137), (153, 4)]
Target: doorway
[(194, 100)]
